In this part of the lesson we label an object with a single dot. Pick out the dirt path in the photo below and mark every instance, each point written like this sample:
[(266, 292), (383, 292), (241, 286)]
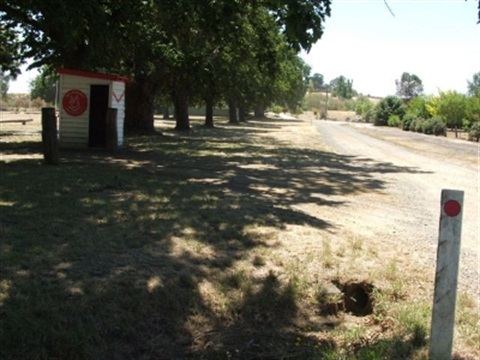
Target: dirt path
[(415, 169)]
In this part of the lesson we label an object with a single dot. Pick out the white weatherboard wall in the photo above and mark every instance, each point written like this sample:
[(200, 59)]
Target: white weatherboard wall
[(74, 130), (117, 101)]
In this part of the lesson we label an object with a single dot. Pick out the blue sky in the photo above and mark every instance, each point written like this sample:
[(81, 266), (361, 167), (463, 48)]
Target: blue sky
[(439, 41)]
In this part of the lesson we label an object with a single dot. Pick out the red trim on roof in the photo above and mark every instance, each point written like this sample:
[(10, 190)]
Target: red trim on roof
[(91, 75)]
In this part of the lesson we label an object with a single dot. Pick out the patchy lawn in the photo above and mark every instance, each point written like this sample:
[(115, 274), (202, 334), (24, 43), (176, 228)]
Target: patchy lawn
[(197, 246)]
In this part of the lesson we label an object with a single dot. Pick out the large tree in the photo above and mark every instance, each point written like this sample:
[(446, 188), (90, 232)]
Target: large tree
[(318, 82), (474, 85), (452, 107), (161, 45), (343, 87), (409, 86)]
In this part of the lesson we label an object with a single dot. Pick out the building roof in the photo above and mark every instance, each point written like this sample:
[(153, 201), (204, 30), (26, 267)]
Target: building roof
[(91, 75)]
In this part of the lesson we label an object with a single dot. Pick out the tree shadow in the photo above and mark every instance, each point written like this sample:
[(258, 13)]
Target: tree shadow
[(133, 254)]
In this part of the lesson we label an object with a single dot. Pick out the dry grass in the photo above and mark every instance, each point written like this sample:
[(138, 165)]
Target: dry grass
[(207, 245)]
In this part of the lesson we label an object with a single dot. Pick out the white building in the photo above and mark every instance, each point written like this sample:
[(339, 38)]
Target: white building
[(84, 100)]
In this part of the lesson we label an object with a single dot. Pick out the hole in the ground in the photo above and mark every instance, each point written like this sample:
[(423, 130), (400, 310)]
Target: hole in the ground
[(358, 298)]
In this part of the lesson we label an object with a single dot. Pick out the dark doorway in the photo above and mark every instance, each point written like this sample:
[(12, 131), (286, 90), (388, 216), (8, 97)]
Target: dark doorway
[(98, 115)]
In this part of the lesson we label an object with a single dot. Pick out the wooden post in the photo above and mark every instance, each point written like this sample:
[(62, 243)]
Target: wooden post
[(112, 135), (448, 254), (49, 136)]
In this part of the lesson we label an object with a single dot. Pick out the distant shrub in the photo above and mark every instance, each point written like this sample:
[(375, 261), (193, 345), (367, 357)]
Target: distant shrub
[(394, 121), (474, 132), (434, 126), (363, 105), (391, 105), (418, 107), (277, 109), (417, 125), (408, 120), (370, 115)]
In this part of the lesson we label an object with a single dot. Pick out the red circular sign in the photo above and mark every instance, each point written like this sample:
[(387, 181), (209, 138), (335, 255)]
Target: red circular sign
[(452, 208), (75, 102)]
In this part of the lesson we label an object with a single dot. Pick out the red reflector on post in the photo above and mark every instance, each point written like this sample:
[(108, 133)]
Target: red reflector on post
[(452, 208)]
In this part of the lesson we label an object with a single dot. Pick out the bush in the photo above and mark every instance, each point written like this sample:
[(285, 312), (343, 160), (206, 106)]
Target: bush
[(418, 107), (474, 132), (391, 105), (363, 105), (408, 120), (370, 115), (417, 125), (434, 126), (394, 121)]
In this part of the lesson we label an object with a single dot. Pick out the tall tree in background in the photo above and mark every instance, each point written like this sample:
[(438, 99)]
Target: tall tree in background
[(343, 87), (452, 107), (43, 86), (474, 85), (409, 86), (317, 81), (4, 80)]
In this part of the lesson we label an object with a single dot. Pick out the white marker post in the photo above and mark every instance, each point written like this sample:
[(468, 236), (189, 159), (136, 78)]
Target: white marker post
[(448, 255)]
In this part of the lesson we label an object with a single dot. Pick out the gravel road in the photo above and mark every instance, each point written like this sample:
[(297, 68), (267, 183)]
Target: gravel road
[(413, 169)]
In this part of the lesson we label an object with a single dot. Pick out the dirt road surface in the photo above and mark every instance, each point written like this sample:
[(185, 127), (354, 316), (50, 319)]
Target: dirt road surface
[(405, 209)]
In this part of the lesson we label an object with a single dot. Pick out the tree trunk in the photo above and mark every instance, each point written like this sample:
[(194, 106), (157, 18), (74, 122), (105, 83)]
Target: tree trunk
[(209, 111), (241, 113), (180, 101), (49, 136), (259, 111), (232, 112), (166, 113), (139, 107)]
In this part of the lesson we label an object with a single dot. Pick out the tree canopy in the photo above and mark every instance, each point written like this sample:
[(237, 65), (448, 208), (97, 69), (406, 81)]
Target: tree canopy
[(318, 82), (342, 87), (409, 86), (474, 85), (187, 49)]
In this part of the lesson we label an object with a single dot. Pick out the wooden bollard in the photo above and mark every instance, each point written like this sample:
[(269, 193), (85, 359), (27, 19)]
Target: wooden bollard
[(448, 256), (49, 136), (112, 135)]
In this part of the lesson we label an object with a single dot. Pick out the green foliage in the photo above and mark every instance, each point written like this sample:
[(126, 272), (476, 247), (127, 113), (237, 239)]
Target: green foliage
[(409, 86), (474, 85), (4, 80), (408, 120), (342, 87), (418, 107), (9, 49), (317, 81), (391, 105), (472, 112), (452, 108), (431, 105), (44, 87), (434, 126), (417, 125), (233, 48), (474, 132), (363, 105), (370, 115), (394, 121)]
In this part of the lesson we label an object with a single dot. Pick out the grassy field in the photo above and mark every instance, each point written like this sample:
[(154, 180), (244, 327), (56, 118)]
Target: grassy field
[(192, 246)]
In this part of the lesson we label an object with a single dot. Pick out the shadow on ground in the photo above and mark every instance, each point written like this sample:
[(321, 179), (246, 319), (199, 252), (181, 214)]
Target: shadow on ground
[(132, 255)]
